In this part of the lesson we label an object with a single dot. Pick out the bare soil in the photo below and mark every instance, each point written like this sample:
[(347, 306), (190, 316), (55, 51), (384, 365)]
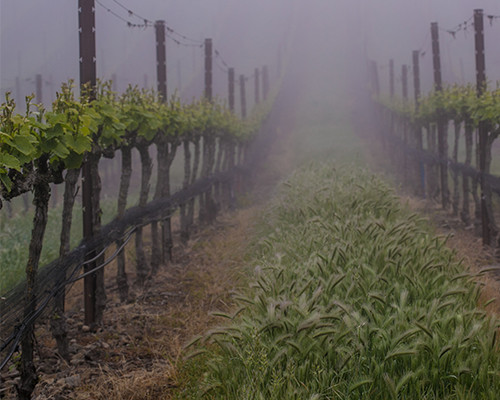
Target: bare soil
[(135, 354), (480, 260)]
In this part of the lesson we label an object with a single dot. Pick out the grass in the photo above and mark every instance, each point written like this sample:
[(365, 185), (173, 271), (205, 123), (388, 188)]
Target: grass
[(15, 231), (15, 237), (353, 298)]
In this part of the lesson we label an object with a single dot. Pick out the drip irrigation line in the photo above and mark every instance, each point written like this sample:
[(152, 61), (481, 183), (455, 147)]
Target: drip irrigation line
[(106, 262), (28, 321), (96, 257), (135, 217), (19, 330)]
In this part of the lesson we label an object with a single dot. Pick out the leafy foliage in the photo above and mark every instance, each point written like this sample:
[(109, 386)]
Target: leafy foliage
[(458, 103), (74, 127)]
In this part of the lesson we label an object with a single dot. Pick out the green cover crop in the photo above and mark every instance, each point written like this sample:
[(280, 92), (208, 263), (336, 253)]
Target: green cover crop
[(353, 298)]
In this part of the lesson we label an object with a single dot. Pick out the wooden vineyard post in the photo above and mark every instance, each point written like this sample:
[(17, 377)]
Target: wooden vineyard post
[(265, 82), (375, 88), (160, 250), (418, 129), (208, 69), (486, 217), (230, 77), (391, 93), (243, 98), (239, 147), (230, 146), (257, 86), (391, 78), (86, 19), (405, 121), (207, 205), (280, 62), (161, 59), (376, 82), (179, 76), (404, 80), (441, 123), (393, 154)]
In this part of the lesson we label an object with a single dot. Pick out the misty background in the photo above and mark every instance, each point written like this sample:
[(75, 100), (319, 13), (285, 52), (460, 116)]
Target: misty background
[(328, 40)]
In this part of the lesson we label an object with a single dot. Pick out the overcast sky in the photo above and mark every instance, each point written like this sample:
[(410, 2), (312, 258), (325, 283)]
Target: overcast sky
[(40, 36)]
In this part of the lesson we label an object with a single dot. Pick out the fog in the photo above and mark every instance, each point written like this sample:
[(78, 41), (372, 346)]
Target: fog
[(330, 40)]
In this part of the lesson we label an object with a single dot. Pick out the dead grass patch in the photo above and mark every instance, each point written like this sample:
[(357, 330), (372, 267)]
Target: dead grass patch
[(135, 354)]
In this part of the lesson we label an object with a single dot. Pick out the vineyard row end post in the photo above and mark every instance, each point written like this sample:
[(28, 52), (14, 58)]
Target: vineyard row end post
[(257, 86), (243, 97), (418, 129), (441, 128), (208, 69), (230, 75), (483, 130), (161, 60), (88, 76)]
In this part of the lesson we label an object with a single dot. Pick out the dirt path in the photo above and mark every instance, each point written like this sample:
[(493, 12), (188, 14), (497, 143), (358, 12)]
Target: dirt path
[(467, 245), (136, 353)]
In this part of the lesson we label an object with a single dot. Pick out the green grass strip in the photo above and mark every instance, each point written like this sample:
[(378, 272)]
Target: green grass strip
[(353, 298)]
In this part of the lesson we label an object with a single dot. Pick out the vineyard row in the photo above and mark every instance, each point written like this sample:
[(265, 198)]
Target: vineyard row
[(43, 147), (475, 111)]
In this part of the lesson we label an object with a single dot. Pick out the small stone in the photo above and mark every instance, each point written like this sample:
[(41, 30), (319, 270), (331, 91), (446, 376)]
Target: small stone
[(73, 381), (85, 328), (78, 359)]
